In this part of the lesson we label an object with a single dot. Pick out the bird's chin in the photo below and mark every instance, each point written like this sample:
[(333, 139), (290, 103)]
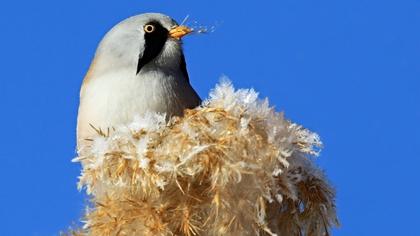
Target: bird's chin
[(171, 51), (174, 40)]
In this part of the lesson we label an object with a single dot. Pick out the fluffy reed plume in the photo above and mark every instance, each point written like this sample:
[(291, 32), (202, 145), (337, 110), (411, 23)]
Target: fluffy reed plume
[(233, 166)]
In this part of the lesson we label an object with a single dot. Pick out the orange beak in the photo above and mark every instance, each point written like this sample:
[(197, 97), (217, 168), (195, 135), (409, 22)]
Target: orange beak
[(179, 32)]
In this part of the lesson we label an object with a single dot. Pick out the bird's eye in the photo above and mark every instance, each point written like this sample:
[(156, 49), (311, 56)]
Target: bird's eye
[(149, 28)]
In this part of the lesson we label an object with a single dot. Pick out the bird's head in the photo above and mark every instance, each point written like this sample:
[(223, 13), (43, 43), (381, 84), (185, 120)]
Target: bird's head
[(141, 43)]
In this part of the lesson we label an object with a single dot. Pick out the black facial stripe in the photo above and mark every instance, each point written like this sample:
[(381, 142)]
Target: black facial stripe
[(153, 45), (183, 66)]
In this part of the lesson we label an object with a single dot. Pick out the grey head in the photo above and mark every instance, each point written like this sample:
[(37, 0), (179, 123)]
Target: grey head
[(141, 43)]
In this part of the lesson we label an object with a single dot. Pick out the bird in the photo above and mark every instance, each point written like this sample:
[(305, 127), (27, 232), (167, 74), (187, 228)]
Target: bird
[(139, 67)]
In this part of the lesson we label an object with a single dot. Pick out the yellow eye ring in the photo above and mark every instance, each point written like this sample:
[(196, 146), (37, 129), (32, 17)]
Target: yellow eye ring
[(149, 28)]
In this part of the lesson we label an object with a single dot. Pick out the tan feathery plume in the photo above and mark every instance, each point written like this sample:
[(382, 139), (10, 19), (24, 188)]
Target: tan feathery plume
[(233, 166)]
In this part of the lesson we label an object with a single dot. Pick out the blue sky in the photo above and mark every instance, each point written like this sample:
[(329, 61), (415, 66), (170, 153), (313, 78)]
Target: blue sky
[(348, 70)]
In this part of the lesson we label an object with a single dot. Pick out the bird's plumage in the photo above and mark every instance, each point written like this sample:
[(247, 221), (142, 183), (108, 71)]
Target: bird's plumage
[(135, 72)]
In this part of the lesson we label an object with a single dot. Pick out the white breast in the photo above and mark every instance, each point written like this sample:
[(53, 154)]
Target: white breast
[(115, 98)]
